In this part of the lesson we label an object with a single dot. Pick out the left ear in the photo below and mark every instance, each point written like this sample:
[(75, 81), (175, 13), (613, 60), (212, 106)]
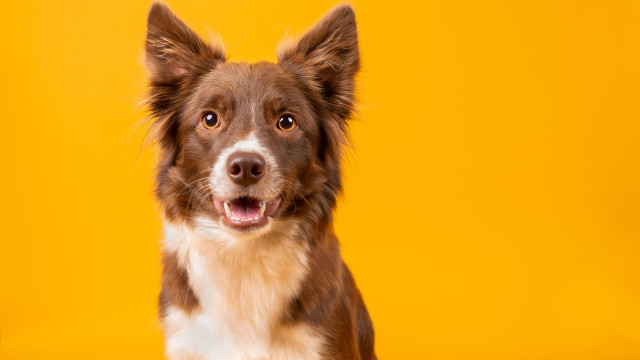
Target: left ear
[(174, 51), (327, 56)]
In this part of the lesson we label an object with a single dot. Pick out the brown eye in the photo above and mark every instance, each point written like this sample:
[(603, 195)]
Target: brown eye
[(286, 123), (210, 120)]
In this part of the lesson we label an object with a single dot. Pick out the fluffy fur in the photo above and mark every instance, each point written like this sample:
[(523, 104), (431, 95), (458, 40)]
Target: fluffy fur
[(280, 289)]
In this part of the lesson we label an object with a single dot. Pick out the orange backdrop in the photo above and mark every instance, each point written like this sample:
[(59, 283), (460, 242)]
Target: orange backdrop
[(492, 197)]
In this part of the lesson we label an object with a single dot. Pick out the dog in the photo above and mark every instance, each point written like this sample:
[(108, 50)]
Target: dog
[(248, 175)]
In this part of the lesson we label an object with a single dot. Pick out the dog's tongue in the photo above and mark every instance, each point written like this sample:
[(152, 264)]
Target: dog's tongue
[(244, 209)]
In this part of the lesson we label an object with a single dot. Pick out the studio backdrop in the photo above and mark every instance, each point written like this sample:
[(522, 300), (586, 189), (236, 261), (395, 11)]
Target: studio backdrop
[(491, 207)]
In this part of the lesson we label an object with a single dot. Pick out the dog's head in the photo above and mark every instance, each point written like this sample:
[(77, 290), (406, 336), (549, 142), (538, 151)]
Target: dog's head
[(244, 145)]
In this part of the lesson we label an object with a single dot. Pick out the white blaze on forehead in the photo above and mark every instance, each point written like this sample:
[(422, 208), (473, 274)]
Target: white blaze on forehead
[(222, 185)]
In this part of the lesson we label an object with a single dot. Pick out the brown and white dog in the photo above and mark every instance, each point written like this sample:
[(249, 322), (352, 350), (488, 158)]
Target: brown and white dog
[(248, 176)]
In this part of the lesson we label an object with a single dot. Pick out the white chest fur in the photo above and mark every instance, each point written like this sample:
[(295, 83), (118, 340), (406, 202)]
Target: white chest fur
[(243, 285)]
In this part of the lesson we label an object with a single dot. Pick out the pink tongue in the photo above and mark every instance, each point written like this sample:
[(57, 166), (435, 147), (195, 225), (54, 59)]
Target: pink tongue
[(245, 209)]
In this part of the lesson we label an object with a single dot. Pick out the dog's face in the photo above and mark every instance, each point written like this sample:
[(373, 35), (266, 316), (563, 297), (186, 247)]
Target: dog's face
[(245, 145), (247, 137)]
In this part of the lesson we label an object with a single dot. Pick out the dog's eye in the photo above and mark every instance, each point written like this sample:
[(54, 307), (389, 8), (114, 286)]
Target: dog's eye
[(210, 120), (286, 123)]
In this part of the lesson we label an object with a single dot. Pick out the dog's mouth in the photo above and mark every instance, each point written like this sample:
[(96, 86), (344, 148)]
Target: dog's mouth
[(246, 212)]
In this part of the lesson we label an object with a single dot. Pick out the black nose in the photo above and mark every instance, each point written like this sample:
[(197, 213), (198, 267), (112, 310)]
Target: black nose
[(245, 168)]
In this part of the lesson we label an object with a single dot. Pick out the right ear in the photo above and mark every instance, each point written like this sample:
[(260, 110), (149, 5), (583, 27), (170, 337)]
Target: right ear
[(174, 51), (176, 58)]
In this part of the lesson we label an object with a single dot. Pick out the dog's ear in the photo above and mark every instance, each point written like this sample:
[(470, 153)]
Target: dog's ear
[(174, 51), (327, 57), (176, 58)]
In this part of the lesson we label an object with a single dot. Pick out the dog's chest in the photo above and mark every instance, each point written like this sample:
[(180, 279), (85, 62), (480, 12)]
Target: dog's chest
[(243, 288)]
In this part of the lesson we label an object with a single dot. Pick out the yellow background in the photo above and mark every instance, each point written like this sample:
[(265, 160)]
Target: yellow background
[(492, 198)]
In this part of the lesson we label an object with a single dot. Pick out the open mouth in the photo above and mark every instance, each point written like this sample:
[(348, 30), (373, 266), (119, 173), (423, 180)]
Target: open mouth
[(245, 212)]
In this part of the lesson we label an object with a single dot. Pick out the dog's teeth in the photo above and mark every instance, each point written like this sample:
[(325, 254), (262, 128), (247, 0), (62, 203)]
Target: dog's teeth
[(227, 210), (263, 205)]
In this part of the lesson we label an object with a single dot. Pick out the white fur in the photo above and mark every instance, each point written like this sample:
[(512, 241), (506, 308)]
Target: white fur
[(243, 285), (268, 187)]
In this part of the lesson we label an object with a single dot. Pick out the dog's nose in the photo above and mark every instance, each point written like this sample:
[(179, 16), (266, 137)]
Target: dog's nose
[(245, 168)]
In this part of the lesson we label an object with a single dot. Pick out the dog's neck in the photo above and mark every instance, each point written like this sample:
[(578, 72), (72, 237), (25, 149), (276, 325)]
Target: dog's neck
[(242, 284), (226, 260)]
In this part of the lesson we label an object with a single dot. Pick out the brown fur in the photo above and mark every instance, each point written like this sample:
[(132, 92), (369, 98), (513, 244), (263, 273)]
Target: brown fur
[(175, 286), (314, 81)]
